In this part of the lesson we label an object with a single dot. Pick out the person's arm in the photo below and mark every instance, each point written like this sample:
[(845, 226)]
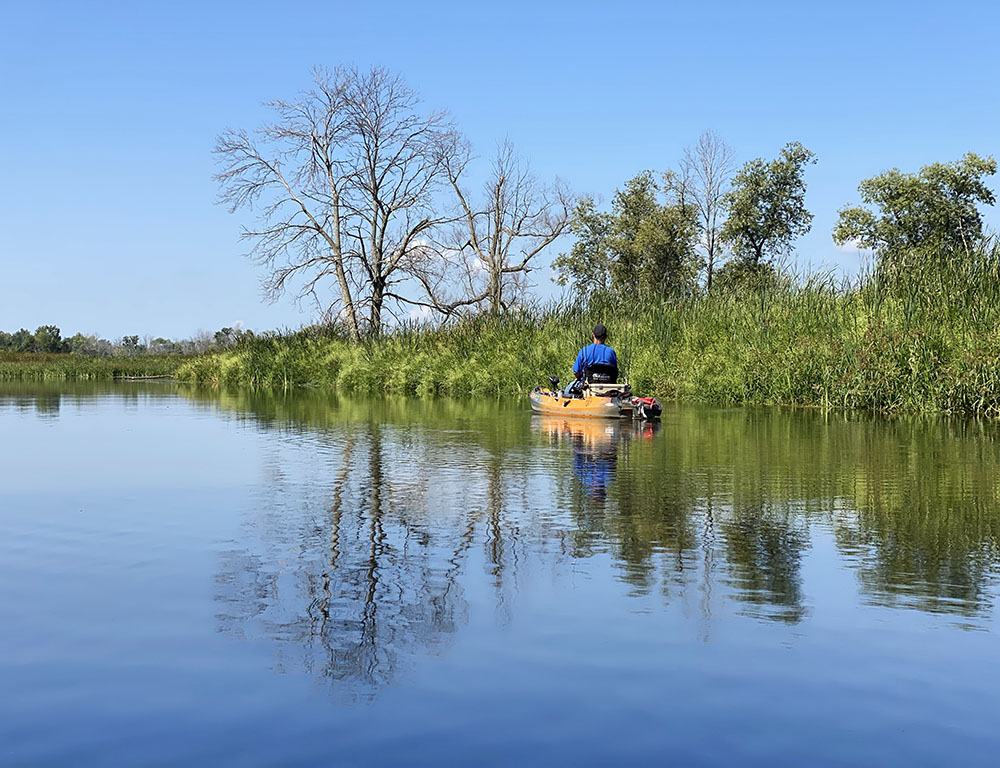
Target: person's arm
[(578, 365)]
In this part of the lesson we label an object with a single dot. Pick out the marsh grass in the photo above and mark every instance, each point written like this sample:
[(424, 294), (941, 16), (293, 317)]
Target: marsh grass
[(51, 367), (920, 337)]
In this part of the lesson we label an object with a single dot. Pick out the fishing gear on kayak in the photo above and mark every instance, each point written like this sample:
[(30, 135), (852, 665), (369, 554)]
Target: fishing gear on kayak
[(598, 395)]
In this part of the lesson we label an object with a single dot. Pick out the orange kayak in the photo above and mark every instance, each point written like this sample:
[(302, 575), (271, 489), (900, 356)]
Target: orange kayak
[(603, 403)]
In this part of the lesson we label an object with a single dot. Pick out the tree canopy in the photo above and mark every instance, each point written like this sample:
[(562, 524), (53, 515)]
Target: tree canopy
[(642, 246), (766, 206), (481, 263), (933, 211), (349, 183)]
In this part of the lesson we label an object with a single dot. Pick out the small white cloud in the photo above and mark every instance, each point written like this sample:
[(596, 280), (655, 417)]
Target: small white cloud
[(420, 313), (851, 246)]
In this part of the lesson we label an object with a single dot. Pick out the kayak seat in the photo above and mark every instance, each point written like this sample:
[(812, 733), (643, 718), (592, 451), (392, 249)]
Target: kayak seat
[(601, 373)]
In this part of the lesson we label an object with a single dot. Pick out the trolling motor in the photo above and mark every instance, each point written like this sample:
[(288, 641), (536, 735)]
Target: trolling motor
[(554, 380), (646, 408)]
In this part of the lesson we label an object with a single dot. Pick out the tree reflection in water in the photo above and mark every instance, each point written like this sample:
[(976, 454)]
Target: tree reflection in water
[(924, 528), (353, 588), (46, 398), (764, 549), (357, 573), (662, 532)]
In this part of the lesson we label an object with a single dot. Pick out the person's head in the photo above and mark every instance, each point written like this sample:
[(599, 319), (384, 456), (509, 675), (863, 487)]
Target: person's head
[(600, 333)]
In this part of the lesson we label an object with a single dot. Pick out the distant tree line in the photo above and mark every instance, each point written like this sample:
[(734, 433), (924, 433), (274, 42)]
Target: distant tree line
[(48, 339)]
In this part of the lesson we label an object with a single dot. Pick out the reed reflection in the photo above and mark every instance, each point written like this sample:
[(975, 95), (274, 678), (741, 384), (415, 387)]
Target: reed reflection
[(48, 398), (764, 549), (925, 529), (43, 401)]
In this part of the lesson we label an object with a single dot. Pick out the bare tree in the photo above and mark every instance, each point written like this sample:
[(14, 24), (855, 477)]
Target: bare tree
[(401, 157), (708, 167), (345, 179), (494, 246)]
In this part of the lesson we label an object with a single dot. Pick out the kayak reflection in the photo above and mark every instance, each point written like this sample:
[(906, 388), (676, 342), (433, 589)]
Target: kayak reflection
[(595, 445)]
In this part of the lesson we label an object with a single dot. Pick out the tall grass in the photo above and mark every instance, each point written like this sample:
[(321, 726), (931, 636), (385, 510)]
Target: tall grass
[(46, 367), (921, 337)]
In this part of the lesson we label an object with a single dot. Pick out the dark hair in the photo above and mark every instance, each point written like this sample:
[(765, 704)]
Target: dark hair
[(600, 332)]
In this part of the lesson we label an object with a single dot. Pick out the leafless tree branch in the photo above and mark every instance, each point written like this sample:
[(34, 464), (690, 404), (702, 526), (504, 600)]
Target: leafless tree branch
[(709, 166)]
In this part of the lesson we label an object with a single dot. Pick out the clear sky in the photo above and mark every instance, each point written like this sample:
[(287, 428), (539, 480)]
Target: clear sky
[(108, 221)]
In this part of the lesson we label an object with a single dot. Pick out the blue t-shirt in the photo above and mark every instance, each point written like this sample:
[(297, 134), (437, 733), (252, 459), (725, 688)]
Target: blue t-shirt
[(594, 353)]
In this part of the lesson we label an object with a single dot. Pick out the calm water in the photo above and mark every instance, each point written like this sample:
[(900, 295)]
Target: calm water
[(233, 579)]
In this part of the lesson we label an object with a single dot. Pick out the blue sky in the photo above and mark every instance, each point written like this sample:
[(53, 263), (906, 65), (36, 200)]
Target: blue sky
[(108, 221)]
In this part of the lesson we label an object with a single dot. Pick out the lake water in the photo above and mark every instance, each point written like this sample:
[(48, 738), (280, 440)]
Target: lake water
[(201, 578)]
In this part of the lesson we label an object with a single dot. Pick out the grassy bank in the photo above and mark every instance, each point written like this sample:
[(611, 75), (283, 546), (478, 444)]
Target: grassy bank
[(46, 367), (919, 341)]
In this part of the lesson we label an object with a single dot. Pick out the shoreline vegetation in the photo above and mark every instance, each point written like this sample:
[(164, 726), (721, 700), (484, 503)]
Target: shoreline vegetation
[(919, 340), (66, 366), (682, 267)]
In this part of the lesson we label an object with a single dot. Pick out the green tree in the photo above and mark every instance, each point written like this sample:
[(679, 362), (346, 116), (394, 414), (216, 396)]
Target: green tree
[(23, 340), (766, 206), (739, 275), (655, 242), (79, 344), (934, 211), (48, 338), (225, 337), (642, 247), (162, 346), (130, 346), (587, 266)]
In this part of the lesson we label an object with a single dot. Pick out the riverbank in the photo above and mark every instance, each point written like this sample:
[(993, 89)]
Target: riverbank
[(30, 366), (917, 347), (919, 341)]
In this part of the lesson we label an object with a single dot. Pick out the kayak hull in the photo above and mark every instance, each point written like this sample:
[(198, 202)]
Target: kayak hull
[(546, 401)]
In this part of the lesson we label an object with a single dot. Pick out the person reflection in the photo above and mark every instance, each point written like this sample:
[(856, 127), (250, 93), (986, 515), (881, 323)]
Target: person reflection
[(595, 449), (595, 444)]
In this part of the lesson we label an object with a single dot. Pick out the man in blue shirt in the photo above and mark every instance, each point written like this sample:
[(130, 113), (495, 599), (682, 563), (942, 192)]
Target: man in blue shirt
[(598, 353)]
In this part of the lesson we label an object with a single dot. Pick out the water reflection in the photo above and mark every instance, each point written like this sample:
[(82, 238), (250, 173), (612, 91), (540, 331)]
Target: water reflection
[(47, 398), (356, 578), (924, 529), (357, 572), (764, 549), (595, 446)]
